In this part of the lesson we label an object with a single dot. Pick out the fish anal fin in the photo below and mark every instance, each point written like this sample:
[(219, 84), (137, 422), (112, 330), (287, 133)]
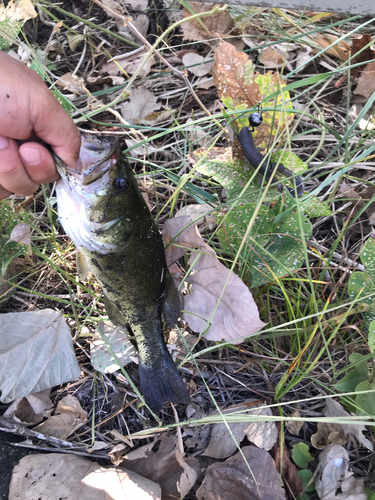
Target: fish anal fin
[(172, 305)]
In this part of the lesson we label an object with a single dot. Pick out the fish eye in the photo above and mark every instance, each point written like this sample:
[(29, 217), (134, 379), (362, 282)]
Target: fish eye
[(121, 184)]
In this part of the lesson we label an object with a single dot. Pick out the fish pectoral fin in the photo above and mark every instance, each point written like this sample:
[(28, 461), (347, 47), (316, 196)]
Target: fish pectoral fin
[(114, 313), (172, 305)]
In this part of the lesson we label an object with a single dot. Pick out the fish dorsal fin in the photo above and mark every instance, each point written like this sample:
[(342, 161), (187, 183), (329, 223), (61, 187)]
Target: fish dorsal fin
[(114, 313), (172, 305)]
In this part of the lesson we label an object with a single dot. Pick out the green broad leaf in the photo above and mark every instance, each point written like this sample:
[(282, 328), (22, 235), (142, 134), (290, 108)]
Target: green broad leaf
[(228, 172), (359, 374), (301, 455), (290, 161), (284, 254), (368, 257), (306, 476), (371, 337), (314, 207), (370, 494), (251, 194), (365, 402), (360, 285), (235, 225)]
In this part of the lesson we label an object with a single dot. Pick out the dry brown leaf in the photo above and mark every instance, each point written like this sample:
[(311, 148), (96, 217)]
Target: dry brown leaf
[(30, 410), (19, 10), (21, 234), (200, 213), (334, 480), (366, 82), (328, 433), (196, 64), (359, 53), (226, 437), (289, 472), (340, 49), (142, 102), (216, 291), (221, 23), (130, 62), (72, 83), (221, 298), (231, 75), (179, 236), (270, 58), (294, 427), (57, 476), (165, 465), (253, 477), (71, 416), (335, 409), (263, 434)]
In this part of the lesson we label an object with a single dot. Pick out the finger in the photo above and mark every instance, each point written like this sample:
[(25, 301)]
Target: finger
[(38, 163), (4, 193), (60, 132), (13, 176), (27, 106)]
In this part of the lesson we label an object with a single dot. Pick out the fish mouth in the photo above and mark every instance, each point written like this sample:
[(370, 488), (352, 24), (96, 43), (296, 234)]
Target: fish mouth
[(98, 154)]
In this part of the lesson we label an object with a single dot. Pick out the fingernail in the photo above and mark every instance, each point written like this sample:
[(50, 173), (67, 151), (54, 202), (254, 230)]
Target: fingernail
[(30, 156), (4, 142)]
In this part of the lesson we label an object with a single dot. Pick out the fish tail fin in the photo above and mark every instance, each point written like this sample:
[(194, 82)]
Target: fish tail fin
[(161, 382)]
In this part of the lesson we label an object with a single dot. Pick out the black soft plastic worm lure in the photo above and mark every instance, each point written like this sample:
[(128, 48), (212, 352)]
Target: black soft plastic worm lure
[(256, 159)]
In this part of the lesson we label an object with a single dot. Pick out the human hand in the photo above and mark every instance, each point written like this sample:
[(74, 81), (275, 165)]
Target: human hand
[(28, 108)]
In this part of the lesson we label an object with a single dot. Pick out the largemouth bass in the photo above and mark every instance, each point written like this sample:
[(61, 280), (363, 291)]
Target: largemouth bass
[(104, 213)]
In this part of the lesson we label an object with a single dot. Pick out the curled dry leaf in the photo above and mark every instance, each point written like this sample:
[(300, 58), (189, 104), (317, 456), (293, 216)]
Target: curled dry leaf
[(163, 463), (328, 433), (36, 353), (197, 64), (219, 297), (335, 409), (272, 58), (340, 50), (30, 410), (67, 476), (71, 83), (249, 475), (221, 23), (335, 481), (294, 427), (71, 416)]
